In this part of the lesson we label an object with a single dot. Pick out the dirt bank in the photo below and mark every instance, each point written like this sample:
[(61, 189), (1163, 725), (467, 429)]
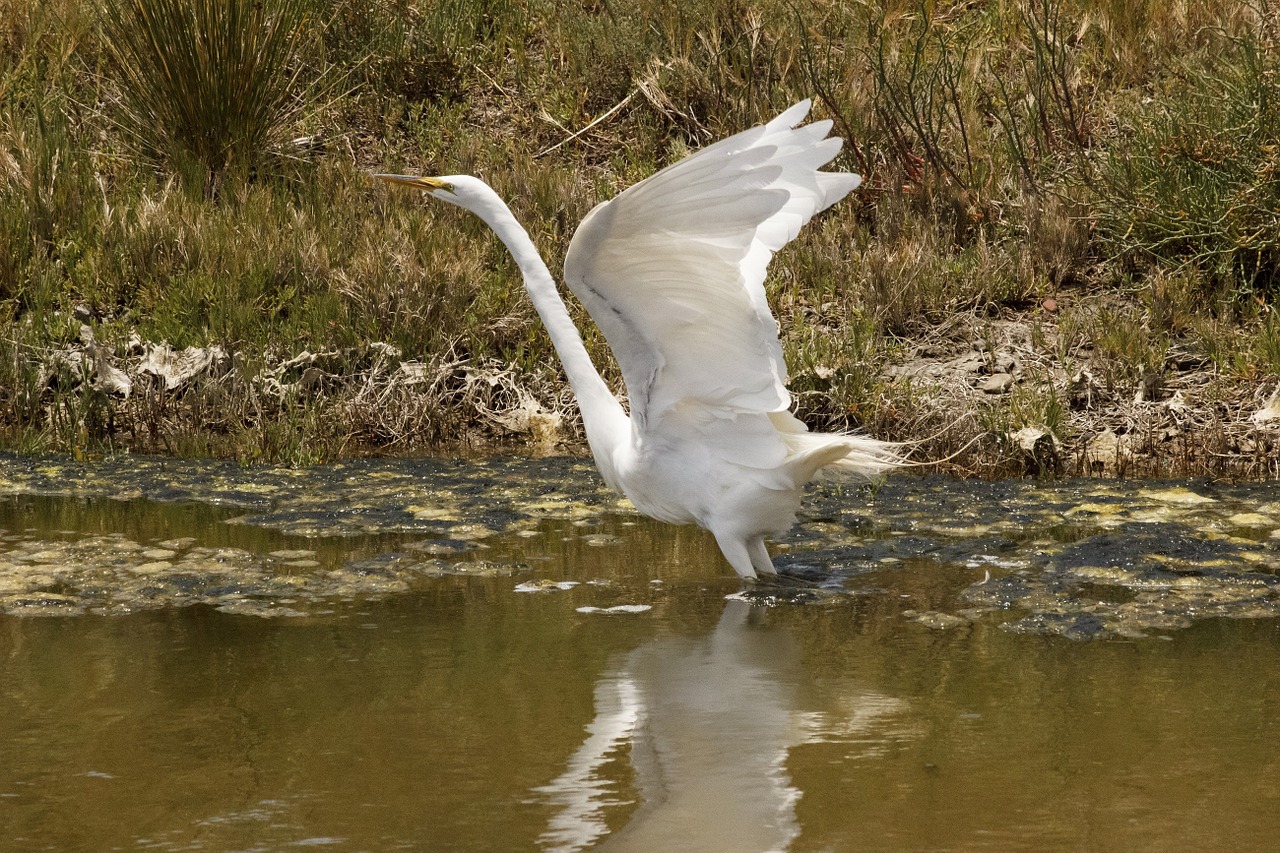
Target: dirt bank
[(1014, 394)]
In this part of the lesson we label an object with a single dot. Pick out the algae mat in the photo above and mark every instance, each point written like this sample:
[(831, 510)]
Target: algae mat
[(1084, 559)]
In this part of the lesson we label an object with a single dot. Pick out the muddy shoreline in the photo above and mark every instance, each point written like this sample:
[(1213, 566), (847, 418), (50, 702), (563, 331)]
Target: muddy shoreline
[(977, 397)]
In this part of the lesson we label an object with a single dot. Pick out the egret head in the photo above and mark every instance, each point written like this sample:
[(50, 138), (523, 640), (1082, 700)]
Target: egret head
[(463, 190)]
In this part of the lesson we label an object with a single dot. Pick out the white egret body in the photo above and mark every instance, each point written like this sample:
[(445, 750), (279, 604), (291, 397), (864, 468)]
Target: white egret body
[(672, 271)]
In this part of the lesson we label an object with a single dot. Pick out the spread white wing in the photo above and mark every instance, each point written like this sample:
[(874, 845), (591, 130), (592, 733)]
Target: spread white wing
[(672, 270)]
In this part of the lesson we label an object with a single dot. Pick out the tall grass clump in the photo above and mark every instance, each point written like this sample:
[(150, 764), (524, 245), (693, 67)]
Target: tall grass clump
[(1194, 175), (50, 205), (208, 86)]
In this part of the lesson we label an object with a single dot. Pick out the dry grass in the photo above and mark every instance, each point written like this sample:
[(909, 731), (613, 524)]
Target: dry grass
[(1010, 210)]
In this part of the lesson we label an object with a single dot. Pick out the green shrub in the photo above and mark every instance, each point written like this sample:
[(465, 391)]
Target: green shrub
[(1195, 176)]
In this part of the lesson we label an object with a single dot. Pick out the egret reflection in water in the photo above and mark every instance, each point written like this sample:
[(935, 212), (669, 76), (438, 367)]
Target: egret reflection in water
[(706, 726)]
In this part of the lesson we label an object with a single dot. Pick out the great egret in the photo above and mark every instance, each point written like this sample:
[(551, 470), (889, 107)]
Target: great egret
[(672, 271)]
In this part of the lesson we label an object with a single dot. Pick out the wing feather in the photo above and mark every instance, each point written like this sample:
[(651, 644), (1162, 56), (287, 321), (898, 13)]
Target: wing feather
[(672, 270)]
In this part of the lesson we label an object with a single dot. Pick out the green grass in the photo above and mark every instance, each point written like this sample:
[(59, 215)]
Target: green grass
[(1090, 151), (1195, 176)]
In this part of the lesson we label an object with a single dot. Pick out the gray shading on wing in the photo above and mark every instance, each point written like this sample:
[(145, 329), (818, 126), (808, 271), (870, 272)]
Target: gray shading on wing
[(672, 270)]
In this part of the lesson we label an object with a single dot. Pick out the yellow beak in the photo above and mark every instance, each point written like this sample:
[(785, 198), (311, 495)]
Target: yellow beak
[(427, 184)]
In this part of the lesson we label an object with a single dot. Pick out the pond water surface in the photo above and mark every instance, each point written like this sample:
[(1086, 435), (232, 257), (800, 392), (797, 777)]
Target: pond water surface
[(499, 655)]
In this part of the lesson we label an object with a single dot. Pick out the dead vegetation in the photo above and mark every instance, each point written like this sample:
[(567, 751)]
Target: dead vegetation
[(1030, 281), (1003, 401), (988, 397)]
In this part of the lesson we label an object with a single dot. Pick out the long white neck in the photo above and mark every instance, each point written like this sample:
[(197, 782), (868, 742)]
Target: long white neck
[(602, 415)]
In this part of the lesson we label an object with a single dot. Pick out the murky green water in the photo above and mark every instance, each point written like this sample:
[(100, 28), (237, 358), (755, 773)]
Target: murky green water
[(433, 655)]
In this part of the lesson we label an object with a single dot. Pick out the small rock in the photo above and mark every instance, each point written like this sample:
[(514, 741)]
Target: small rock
[(997, 383), (972, 362), (1106, 450)]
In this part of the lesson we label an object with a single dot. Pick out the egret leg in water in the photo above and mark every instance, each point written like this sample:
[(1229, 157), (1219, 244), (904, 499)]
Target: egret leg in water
[(672, 271)]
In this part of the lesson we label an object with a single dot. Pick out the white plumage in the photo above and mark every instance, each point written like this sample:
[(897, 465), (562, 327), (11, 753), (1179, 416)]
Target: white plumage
[(672, 271)]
